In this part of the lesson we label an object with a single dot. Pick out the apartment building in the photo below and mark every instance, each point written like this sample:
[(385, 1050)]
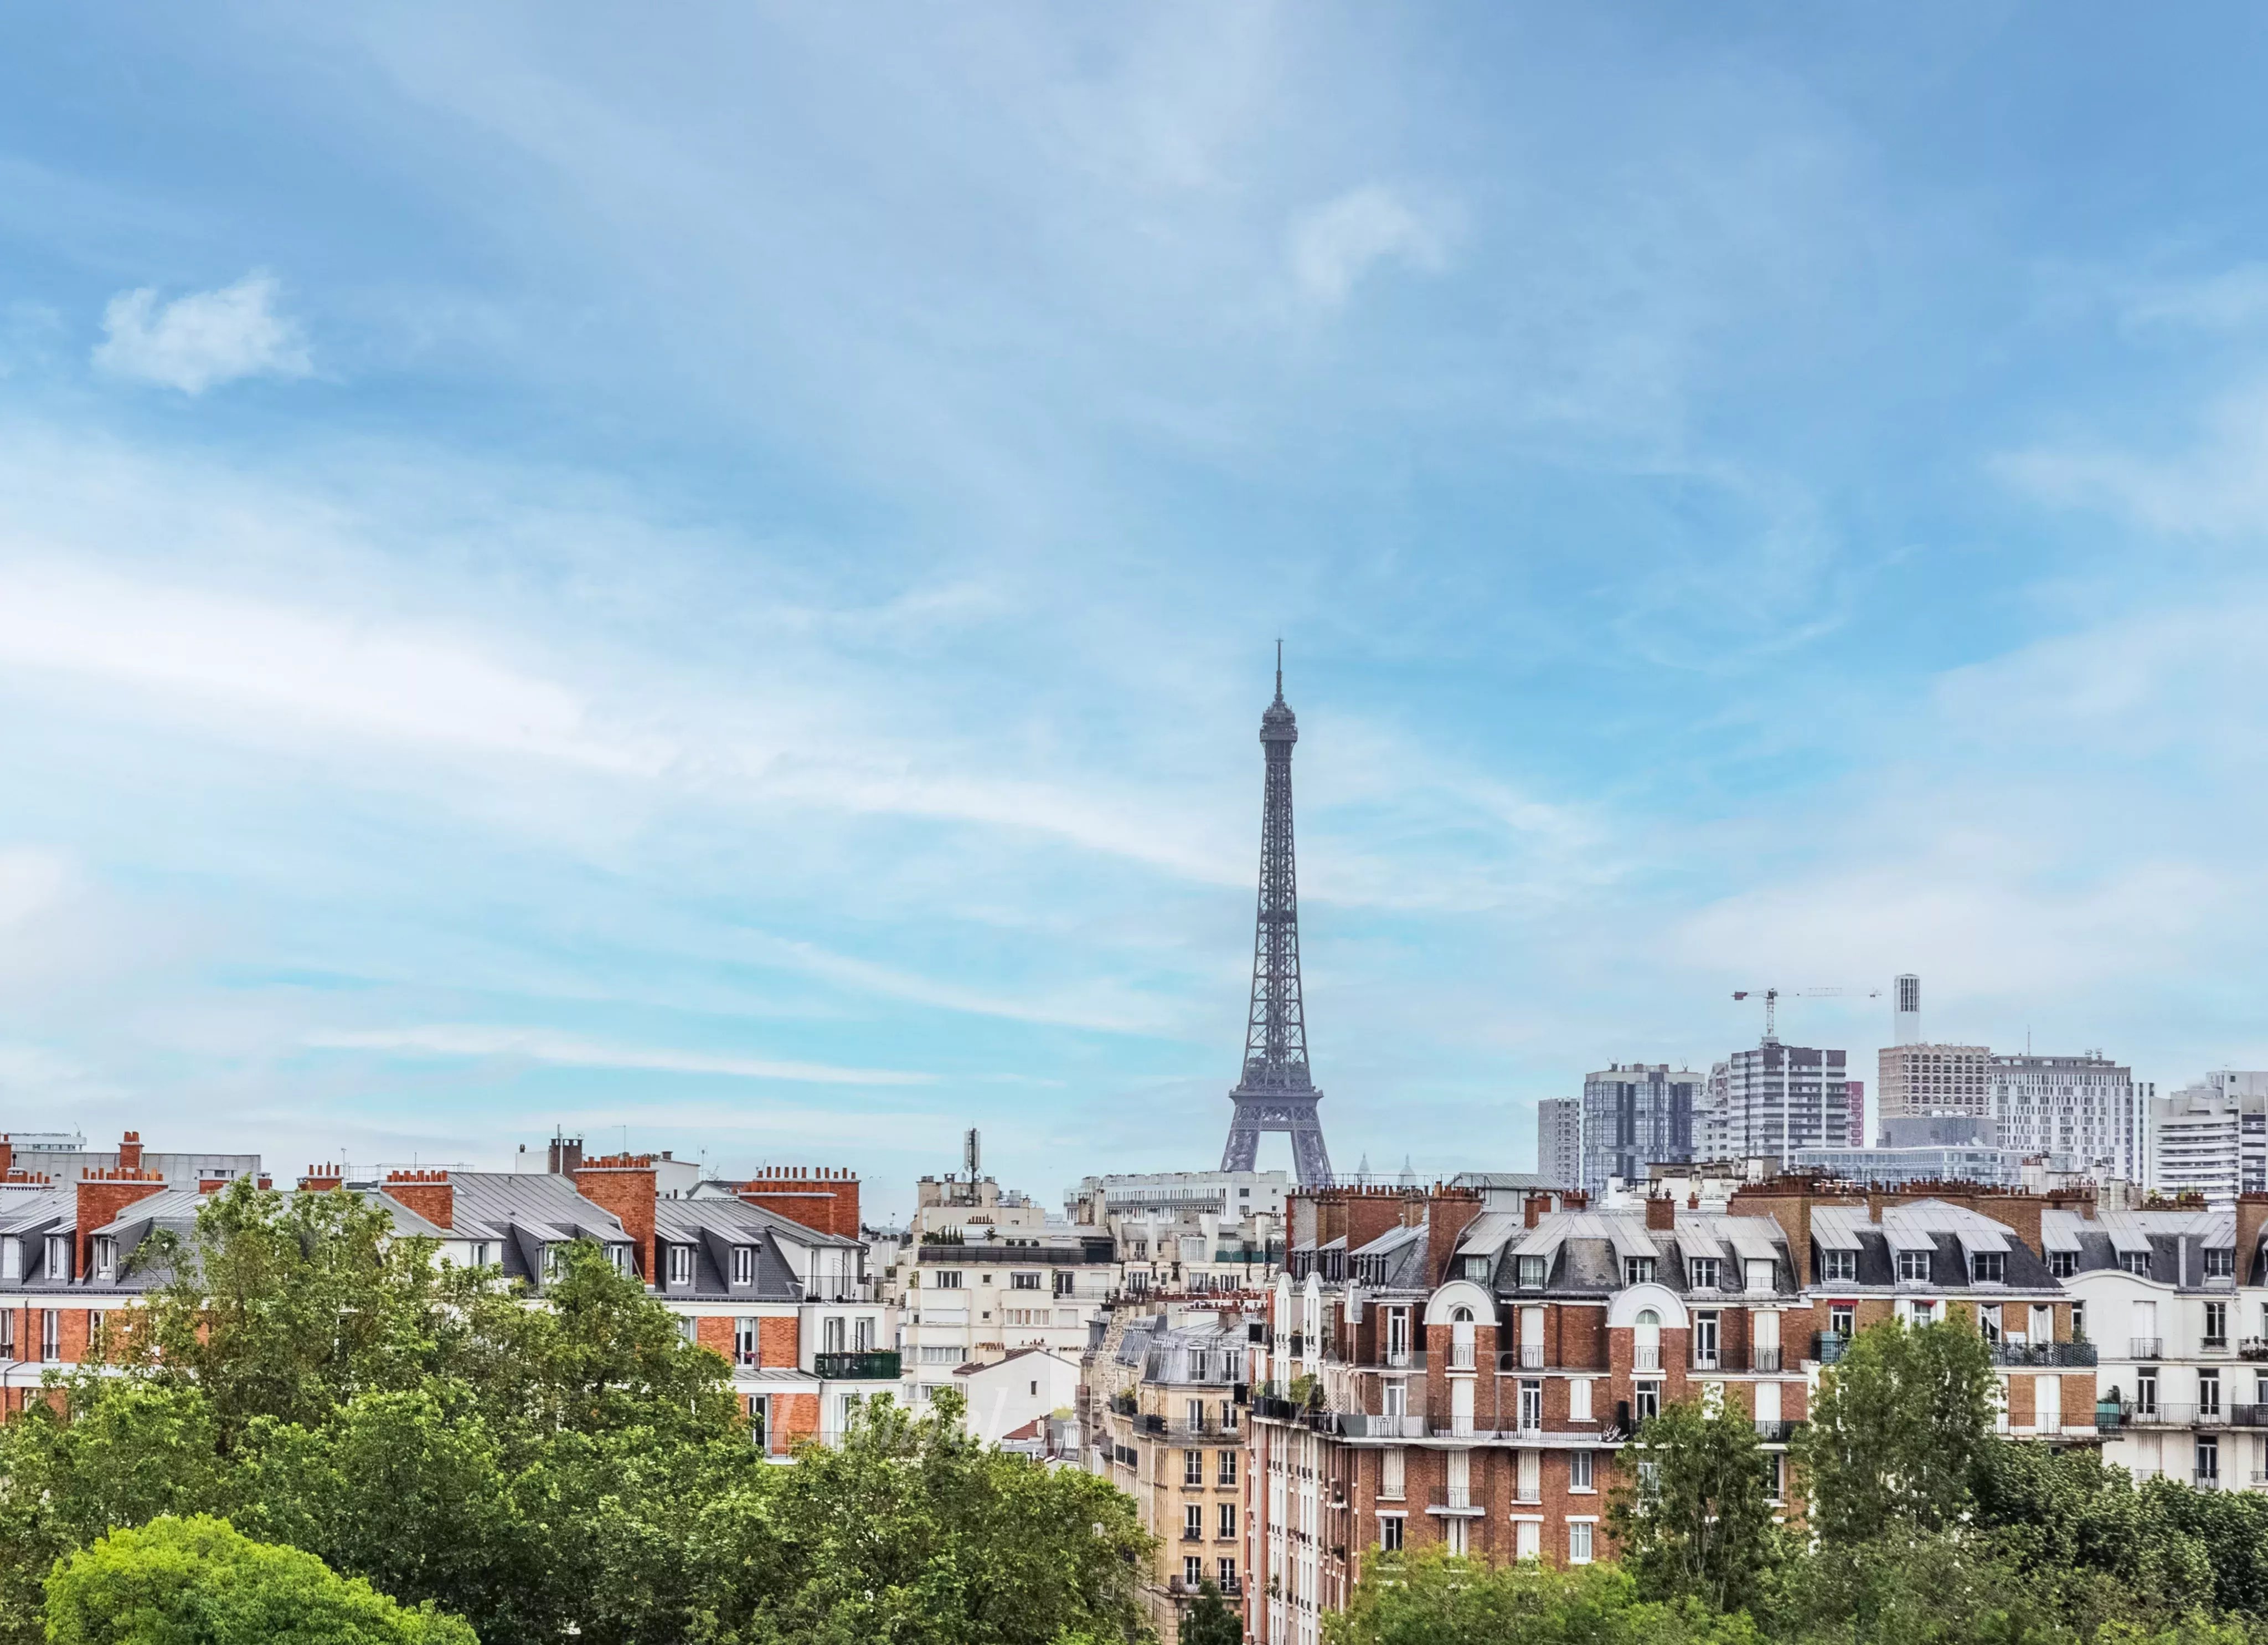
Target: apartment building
[(1437, 1374), (1186, 1230), (2176, 1298), (1163, 1408), (1918, 1081), (2086, 1106), (2211, 1137), (1635, 1115), (1559, 1139), (788, 1305), (1767, 1101)]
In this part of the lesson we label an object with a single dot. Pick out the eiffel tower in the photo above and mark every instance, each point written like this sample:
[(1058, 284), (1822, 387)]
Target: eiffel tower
[(1277, 1093)]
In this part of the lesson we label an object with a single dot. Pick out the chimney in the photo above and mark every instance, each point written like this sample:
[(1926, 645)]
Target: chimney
[(212, 1184), (2252, 1217), (626, 1184), (1537, 1205), (1660, 1213), (129, 1152), (1449, 1210), (318, 1179), (566, 1156), (103, 1195), (822, 1199), (7, 1156), (428, 1193)]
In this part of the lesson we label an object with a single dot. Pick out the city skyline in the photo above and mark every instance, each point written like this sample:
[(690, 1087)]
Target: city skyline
[(716, 584)]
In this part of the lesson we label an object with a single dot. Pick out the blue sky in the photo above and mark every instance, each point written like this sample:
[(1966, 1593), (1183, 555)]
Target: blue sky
[(715, 574)]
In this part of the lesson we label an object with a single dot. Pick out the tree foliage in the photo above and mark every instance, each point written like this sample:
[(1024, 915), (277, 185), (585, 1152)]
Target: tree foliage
[(1210, 1621), (197, 1582), (1436, 1599), (1703, 1525), (574, 1468), (1897, 1428)]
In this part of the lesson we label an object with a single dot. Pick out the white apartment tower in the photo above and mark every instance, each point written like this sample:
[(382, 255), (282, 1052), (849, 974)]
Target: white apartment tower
[(1768, 1101), (2211, 1137), (2086, 1107)]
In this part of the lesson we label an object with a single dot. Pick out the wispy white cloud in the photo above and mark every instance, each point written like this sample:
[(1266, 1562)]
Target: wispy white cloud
[(1335, 245), (2228, 300), (2216, 487), (204, 339), (571, 1051)]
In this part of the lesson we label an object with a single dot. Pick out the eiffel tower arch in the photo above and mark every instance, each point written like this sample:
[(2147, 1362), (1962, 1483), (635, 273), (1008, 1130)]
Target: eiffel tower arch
[(1276, 1091)]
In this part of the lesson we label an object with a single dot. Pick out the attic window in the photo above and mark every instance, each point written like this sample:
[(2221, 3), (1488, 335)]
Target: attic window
[(1838, 1264), (681, 1265), (2063, 1264), (1534, 1272), (1476, 1268), (106, 1257), (1704, 1272), (2220, 1262), (2135, 1262), (1913, 1266), (1637, 1270), (1988, 1267), (59, 1256), (744, 1265)]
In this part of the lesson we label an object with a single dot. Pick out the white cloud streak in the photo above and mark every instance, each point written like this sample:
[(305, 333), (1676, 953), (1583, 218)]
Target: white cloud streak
[(447, 1040), (1334, 246), (203, 340)]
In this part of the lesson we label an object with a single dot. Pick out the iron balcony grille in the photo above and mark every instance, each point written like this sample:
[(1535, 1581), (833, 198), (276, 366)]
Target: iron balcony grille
[(857, 1366)]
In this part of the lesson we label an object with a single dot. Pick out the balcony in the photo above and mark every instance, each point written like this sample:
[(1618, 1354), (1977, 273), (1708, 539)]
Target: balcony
[(2205, 1481), (1827, 1346), (1461, 1356), (1526, 1357), (2146, 1348), (2253, 1348), (1403, 1360), (2214, 1344), (859, 1365), (1777, 1431), (1763, 1359), (1124, 1405), (2068, 1355), (1703, 1359), (2248, 1416), (1647, 1357)]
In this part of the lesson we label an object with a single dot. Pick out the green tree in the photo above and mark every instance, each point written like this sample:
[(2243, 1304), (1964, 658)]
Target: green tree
[(1436, 1599), (1898, 1429), (1698, 1518), (197, 1582), (910, 1532), (1210, 1621)]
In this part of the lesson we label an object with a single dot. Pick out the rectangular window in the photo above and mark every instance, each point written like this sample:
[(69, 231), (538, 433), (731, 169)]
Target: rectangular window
[(744, 1265), (1760, 1273), (1637, 1270), (2135, 1262), (1704, 1342), (1227, 1474), (2209, 1394), (1531, 1406), (1702, 1273), (1228, 1574), (1192, 1569), (1023, 1281), (2220, 1262), (1534, 1272), (51, 1336), (1192, 1467), (1913, 1266), (1838, 1264), (1193, 1522), (1579, 1471), (2216, 1324), (58, 1256), (1389, 1534), (946, 1279), (1646, 1400), (106, 1257), (1842, 1318), (744, 1341), (1389, 1474), (1988, 1267), (11, 1259), (681, 1265), (1579, 1400), (1578, 1542), (2063, 1264), (1226, 1532)]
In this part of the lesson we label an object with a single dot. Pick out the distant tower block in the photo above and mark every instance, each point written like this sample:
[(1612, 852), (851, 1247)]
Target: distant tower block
[(1908, 1018), (1275, 1092)]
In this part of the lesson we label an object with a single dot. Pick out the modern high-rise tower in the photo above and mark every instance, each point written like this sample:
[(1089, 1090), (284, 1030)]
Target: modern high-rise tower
[(1277, 1092), (1905, 1019)]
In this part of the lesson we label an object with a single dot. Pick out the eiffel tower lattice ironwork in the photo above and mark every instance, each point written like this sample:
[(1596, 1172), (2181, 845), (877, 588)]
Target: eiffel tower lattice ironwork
[(1277, 1092)]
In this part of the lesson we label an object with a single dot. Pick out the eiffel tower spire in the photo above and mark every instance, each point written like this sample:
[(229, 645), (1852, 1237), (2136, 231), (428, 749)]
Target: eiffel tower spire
[(1275, 1092)]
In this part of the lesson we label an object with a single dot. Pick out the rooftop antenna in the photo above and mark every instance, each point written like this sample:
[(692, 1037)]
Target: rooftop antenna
[(1279, 668), (970, 1152)]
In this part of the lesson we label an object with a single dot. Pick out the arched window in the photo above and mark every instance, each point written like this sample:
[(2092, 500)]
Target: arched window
[(1460, 1316)]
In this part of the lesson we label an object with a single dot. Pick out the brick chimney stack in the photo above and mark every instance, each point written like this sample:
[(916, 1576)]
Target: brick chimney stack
[(102, 1195), (817, 1197), (1660, 1213), (428, 1193), (1537, 1205), (626, 1184), (317, 1179), (7, 1155), (129, 1152), (2251, 1216)]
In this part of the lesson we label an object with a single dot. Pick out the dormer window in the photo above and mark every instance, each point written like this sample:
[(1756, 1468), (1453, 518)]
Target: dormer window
[(1534, 1273), (2063, 1264), (1478, 1268), (2220, 1262), (11, 1259), (2135, 1262), (106, 1257), (1637, 1270), (1988, 1267), (1703, 1273), (1838, 1264), (681, 1265), (555, 1262), (744, 1265), (59, 1255), (1913, 1267)]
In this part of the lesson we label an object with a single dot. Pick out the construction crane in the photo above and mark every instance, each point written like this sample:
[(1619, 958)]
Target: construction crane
[(1772, 998)]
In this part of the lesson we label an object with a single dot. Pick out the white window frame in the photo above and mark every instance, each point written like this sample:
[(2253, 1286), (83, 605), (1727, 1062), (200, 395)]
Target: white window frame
[(744, 1265), (1838, 1266)]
